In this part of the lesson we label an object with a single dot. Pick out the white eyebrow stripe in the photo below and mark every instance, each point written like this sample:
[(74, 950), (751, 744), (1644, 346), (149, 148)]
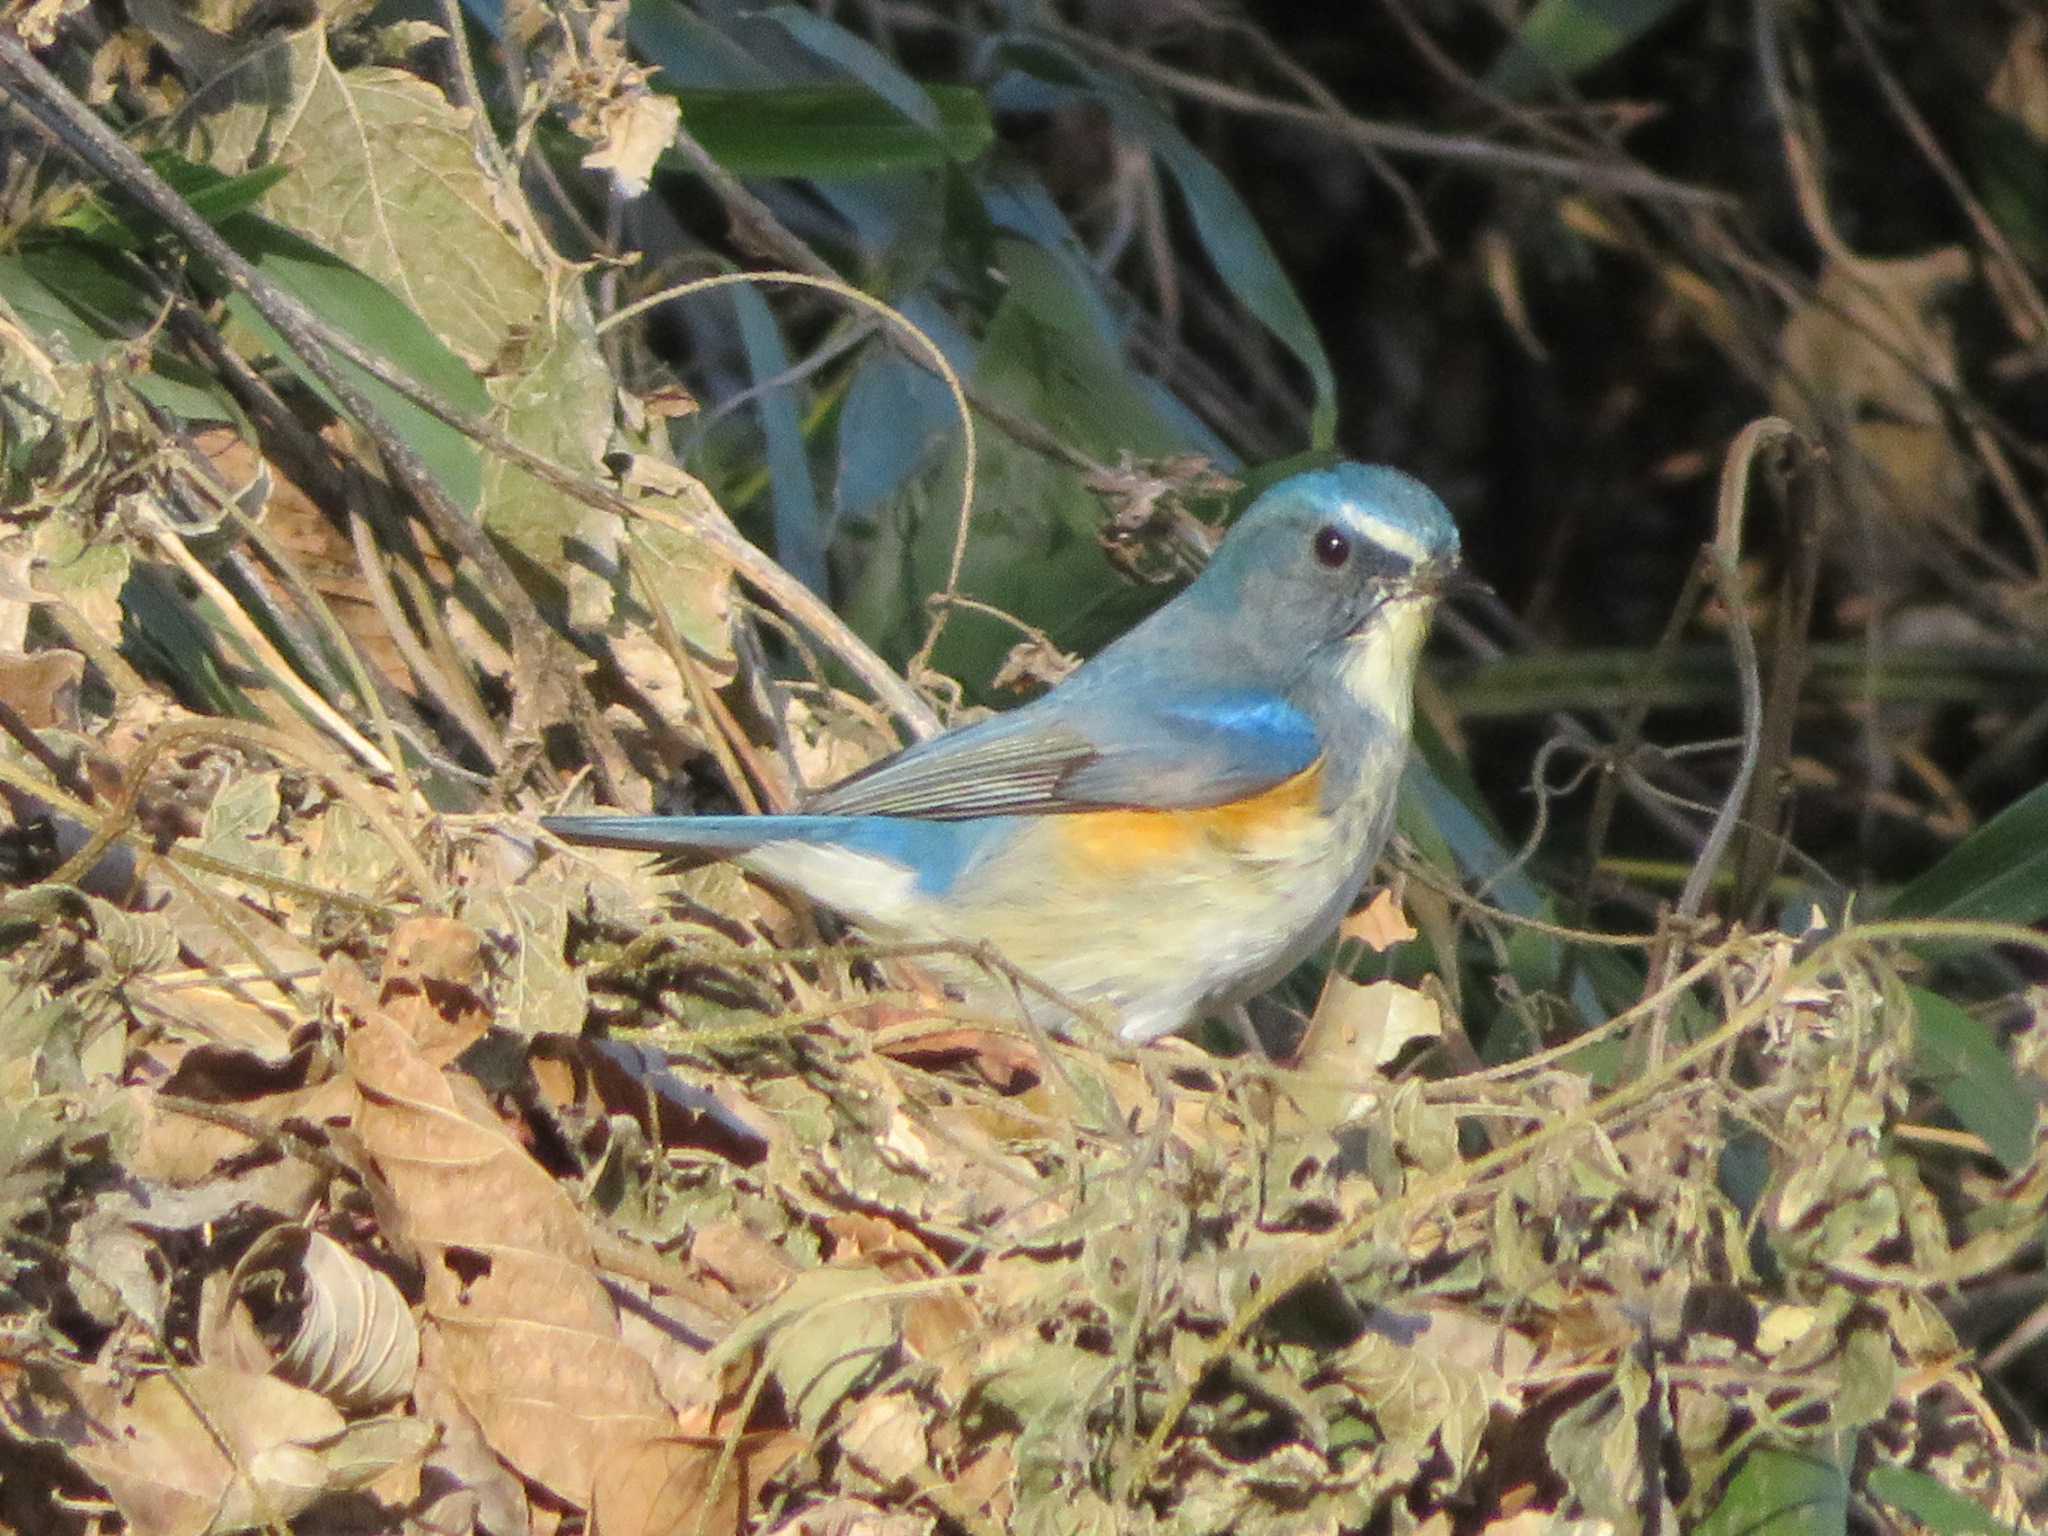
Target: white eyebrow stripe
[(1396, 539)]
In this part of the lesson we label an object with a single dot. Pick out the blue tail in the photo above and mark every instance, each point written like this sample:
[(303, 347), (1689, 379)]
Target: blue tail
[(698, 834), (935, 852)]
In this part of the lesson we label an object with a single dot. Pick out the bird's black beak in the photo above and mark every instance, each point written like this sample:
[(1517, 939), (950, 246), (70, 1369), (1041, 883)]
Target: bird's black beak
[(1446, 578), (1456, 582), (1430, 582)]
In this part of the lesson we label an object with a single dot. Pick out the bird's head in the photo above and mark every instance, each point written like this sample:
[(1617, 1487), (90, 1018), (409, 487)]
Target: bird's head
[(1337, 567)]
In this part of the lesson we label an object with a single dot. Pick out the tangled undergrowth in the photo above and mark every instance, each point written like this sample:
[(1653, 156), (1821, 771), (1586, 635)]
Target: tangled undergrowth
[(370, 1162), (369, 1168)]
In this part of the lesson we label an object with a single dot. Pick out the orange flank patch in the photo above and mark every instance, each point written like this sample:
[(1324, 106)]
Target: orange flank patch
[(1131, 840)]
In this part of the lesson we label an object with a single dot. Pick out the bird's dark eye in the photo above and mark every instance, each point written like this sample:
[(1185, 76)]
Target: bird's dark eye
[(1333, 548)]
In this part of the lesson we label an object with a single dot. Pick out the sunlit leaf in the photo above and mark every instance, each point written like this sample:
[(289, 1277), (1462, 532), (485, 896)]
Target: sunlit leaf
[(557, 400), (210, 194), (386, 178)]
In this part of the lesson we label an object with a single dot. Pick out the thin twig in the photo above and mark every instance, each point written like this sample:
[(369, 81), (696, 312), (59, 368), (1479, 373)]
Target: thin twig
[(1399, 139), (1722, 562), (1723, 559), (451, 689), (166, 537), (927, 353)]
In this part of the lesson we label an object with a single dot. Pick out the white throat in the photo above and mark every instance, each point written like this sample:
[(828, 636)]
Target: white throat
[(1379, 665)]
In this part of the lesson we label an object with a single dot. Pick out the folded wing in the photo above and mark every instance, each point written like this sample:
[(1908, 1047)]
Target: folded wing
[(1067, 754)]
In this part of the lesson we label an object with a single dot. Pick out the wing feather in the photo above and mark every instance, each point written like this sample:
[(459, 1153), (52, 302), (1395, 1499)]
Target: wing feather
[(1064, 754)]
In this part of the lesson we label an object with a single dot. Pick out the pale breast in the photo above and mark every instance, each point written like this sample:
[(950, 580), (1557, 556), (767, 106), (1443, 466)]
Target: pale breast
[(1163, 915)]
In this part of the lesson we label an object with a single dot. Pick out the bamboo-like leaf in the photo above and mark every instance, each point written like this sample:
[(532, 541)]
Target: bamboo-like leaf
[(1229, 234), (831, 132), (1562, 39), (800, 533), (861, 59), (1999, 873), (364, 309), (1963, 1061)]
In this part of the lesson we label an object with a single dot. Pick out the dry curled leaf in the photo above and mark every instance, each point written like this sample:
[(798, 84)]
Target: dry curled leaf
[(302, 1306)]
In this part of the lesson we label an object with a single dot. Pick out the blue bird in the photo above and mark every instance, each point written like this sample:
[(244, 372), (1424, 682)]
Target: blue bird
[(1173, 827)]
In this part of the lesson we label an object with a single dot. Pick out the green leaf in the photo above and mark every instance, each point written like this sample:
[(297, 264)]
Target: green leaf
[(892, 416), (1941, 1509), (1235, 244), (2012, 172), (1596, 1446), (237, 823), (1562, 39), (386, 179), (1961, 1059), (1869, 1380), (799, 525), (824, 1332), (1778, 1491), (539, 992), (211, 194), (168, 636), (556, 398), (77, 299), (1033, 552), (831, 132), (1999, 873), (860, 59), (378, 320)]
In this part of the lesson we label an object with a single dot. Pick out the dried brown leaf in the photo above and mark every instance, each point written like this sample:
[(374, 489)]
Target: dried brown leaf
[(301, 1306), (167, 1473), (854, 1517), (1379, 925), (671, 1486), (1873, 358), (43, 688), (480, 1490), (433, 986), (508, 1268)]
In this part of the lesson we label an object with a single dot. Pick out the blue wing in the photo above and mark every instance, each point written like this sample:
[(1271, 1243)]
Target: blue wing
[(1081, 749)]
